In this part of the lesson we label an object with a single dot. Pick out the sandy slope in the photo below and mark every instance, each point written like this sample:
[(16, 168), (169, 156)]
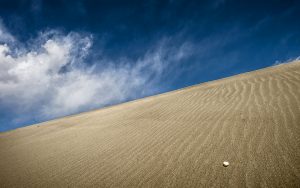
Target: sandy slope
[(178, 139)]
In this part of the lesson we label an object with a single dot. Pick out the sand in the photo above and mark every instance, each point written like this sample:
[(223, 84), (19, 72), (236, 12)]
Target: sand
[(177, 139)]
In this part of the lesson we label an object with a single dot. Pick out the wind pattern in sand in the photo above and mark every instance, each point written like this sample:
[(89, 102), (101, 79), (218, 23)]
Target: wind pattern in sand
[(177, 139)]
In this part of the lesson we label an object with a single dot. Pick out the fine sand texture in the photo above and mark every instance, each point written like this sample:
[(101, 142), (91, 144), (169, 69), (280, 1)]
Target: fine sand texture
[(176, 139)]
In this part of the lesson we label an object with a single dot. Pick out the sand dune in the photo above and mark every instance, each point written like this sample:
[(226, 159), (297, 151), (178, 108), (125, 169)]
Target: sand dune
[(177, 139)]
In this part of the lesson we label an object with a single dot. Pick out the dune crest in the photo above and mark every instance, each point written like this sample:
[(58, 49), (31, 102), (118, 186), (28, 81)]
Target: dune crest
[(177, 139)]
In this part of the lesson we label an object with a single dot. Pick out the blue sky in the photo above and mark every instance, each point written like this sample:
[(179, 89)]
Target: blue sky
[(63, 57)]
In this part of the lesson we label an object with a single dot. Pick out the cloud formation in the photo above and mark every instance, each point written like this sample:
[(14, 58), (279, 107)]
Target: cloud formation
[(50, 77), (5, 36), (287, 61)]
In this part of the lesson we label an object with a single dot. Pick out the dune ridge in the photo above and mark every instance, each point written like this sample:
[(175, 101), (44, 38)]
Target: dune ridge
[(176, 139)]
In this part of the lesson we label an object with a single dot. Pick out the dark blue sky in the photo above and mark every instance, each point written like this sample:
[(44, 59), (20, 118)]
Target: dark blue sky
[(221, 38)]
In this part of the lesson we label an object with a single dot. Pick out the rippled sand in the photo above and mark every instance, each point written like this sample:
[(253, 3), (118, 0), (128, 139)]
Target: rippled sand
[(177, 139)]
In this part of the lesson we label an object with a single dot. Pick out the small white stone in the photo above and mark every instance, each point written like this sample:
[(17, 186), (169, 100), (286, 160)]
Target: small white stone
[(225, 163)]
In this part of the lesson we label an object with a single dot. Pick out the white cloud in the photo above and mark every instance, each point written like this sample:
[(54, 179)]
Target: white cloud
[(5, 36), (49, 78), (287, 61)]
